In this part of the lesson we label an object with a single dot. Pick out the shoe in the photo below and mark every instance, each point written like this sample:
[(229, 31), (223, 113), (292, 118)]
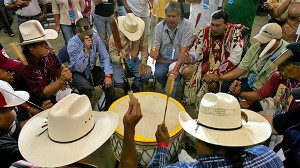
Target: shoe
[(134, 88)]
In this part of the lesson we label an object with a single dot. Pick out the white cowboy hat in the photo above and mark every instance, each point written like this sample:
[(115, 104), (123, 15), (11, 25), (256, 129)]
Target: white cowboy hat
[(131, 26), (32, 31), (9, 97), (74, 131), (220, 123)]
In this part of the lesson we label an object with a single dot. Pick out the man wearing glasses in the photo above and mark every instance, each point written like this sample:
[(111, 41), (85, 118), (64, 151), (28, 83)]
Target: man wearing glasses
[(84, 49), (44, 76)]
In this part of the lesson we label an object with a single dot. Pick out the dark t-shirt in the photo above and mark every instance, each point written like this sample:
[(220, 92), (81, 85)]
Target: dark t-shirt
[(105, 9), (120, 2), (9, 151), (284, 121)]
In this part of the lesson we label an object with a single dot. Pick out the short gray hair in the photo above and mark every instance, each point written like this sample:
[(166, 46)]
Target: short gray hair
[(173, 6)]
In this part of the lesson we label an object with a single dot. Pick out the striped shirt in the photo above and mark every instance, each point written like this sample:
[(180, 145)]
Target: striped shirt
[(257, 156)]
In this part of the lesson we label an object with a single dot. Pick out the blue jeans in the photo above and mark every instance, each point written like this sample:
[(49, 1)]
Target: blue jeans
[(161, 74), (103, 27), (119, 74), (84, 86), (6, 19), (68, 31), (121, 11)]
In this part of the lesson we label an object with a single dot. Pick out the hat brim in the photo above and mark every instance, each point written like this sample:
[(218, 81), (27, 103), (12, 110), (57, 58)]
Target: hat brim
[(43, 152), (255, 131), (20, 98), (132, 36), (262, 39), (50, 35)]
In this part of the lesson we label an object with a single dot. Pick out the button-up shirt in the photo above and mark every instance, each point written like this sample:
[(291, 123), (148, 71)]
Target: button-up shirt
[(38, 74), (133, 48), (61, 7), (257, 156), (181, 36), (79, 61)]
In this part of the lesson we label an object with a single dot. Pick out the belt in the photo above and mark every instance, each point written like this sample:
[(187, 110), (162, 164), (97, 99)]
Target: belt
[(29, 17)]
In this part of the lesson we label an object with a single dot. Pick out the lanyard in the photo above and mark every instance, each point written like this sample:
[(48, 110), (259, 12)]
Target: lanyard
[(171, 39)]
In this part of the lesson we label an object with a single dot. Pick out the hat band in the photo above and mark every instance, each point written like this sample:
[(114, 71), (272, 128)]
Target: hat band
[(72, 140), (35, 38), (219, 129)]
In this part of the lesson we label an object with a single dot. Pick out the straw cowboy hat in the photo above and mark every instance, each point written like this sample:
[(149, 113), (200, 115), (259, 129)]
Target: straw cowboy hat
[(72, 132), (32, 31), (9, 97), (220, 122), (131, 26)]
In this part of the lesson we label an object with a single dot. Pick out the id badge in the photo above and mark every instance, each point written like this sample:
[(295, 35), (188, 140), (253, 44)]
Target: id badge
[(251, 80), (72, 15), (170, 52), (130, 63), (205, 4), (230, 1), (87, 73)]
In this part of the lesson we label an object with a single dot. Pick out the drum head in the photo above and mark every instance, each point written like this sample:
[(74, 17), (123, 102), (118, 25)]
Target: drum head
[(153, 107)]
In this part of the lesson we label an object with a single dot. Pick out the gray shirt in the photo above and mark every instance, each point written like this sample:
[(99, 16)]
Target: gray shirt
[(170, 42)]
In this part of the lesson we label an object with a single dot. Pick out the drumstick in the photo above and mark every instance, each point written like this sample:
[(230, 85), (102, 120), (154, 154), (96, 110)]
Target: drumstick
[(15, 47), (169, 89)]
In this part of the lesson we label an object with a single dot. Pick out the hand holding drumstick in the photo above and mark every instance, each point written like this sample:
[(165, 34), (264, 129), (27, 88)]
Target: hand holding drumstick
[(130, 120)]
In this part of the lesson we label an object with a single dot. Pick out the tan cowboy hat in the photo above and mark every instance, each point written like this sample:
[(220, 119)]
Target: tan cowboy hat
[(9, 97), (72, 132), (220, 122), (131, 26), (32, 31)]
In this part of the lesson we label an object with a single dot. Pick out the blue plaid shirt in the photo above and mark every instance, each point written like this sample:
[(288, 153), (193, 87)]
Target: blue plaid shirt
[(258, 156), (79, 61)]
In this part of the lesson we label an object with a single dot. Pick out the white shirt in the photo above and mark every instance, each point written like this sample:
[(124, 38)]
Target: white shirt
[(206, 8), (31, 10), (139, 8)]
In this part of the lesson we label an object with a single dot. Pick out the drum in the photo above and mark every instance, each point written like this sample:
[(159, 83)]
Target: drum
[(152, 106)]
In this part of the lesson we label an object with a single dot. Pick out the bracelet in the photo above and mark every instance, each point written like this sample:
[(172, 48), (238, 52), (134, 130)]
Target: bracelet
[(176, 69), (162, 144), (107, 76)]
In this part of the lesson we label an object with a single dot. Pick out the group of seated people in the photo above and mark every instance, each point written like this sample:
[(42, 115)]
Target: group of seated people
[(214, 58)]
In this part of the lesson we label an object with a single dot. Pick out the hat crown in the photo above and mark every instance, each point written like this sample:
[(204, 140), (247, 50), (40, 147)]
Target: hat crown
[(271, 30), (220, 111), (6, 97), (32, 29), (70, 119), (130, 23)]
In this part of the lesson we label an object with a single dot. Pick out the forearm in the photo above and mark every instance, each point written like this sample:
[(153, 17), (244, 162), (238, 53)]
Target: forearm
[(250, 96), (97, 2), (56, 19), (12, 6), (233, 74), (128, 155), (44, 9), (53, 88)]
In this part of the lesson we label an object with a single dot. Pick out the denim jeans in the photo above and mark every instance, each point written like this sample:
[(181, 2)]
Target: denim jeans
[(119, 74), (161, 74), (121, 11), (102, 25), (68, 31), (84, 86), (6, 19)]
